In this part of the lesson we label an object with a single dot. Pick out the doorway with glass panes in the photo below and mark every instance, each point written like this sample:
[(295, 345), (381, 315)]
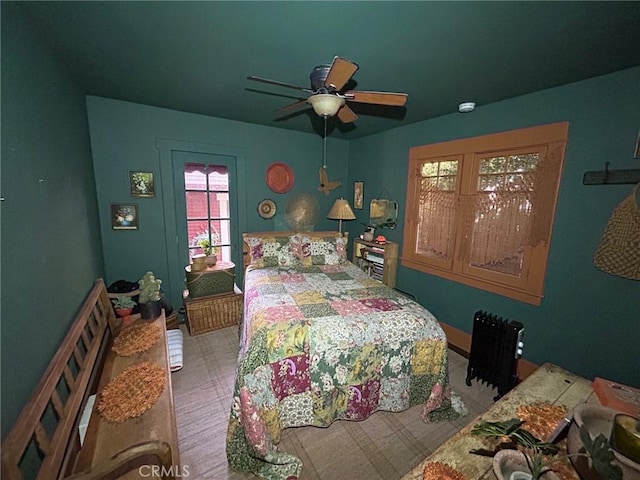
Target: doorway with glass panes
[(206, 207)]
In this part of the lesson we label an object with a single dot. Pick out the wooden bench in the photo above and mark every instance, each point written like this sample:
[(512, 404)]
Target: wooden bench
[(45, 441)]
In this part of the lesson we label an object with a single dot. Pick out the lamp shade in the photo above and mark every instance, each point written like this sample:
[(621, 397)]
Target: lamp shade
[(341, 210), (325, 104)]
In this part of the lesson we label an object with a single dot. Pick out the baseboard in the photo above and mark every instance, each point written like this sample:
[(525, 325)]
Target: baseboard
[(460, 342)]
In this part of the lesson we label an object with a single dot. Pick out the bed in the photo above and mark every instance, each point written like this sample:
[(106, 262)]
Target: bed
[(321, 341)]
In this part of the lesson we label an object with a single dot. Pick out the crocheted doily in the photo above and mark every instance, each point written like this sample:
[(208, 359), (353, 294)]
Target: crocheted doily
[(134, 391), (136, 338), (441, 471)]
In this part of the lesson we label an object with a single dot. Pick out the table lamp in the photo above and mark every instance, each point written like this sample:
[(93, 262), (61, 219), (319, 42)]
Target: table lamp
[(340, 211)]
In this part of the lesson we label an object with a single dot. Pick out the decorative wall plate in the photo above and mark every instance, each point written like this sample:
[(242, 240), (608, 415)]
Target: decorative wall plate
[(266, 208), (280, 177)]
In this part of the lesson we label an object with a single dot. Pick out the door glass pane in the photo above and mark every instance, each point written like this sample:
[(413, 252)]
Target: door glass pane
[(219, 204), (196, 231), (218, 178), (195, 177), (214, 228), (196, 205)]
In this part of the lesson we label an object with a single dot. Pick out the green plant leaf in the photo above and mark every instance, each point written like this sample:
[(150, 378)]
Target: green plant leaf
[(496, 429), (535, 448), (601, 455)]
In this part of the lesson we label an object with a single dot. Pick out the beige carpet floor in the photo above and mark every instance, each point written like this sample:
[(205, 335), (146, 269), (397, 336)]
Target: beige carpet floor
[(383, 447)]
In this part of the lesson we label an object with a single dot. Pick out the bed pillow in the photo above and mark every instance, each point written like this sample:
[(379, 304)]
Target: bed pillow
[(316, 250), (273, 251)]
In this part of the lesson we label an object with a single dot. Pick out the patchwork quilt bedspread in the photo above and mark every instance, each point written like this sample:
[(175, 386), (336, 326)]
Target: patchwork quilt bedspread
[(322, 343)]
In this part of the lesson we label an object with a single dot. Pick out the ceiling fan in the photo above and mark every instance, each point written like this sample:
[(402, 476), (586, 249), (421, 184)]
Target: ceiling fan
[(328, 97)]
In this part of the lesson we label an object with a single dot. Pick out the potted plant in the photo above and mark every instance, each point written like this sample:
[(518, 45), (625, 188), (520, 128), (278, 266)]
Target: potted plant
[(211, 251), (149, 299), (538, 456), (123, 305)]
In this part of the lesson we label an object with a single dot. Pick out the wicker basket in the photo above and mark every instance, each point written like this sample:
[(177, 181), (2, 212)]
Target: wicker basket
[(206, 314), (214, 280)]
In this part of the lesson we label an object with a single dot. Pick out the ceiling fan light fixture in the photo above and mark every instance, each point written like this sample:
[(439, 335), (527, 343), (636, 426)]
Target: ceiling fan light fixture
[(326, 104)]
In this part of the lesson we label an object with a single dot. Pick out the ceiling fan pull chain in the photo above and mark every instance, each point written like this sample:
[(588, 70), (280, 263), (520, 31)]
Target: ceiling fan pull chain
[(324, 144)]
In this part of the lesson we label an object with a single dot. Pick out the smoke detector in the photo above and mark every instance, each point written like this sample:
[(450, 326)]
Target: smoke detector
[(467, 107)]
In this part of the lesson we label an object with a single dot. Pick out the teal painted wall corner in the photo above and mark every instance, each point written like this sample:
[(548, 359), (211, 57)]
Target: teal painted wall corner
[(51, 246)]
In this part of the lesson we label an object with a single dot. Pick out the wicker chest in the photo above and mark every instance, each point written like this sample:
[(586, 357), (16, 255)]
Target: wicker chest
[(205, 314), (214, 280)]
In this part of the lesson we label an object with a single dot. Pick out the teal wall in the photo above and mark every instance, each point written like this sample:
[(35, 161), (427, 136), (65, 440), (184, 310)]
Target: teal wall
[(126, 136), (51, 248), (589, 321)]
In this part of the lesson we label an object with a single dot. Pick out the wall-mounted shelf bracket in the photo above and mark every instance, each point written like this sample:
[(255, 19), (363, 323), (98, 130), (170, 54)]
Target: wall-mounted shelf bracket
[(606, 176)]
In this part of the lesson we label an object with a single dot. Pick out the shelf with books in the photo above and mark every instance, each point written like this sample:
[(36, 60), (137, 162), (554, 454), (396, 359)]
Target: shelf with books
[(379, 260)]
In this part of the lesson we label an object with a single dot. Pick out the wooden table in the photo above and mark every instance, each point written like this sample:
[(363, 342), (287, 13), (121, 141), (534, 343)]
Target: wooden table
[(549, 383)]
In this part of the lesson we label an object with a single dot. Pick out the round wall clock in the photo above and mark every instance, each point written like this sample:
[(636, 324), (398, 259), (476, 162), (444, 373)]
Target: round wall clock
[(280, 177), (266, 208)]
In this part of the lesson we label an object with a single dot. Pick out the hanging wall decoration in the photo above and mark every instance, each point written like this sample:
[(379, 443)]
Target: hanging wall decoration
[(124, 216), (618, 252), (358, 195), (280, 177), (142, 184), (267, 208)]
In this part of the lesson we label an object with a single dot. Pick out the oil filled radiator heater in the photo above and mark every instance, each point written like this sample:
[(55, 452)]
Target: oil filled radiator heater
[(496, 346)]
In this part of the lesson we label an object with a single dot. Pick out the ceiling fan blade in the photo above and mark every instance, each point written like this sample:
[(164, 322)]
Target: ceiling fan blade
[(294, 107), (379, 98), (346, 115), (339, 74), (274, 82)]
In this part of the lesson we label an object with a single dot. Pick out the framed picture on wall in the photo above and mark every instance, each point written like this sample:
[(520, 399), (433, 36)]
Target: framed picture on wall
[(358, 195), (637, 152), (124, 216), (142, 184)]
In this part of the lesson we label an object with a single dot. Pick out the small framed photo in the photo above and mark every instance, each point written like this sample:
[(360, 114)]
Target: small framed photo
[(124, 216), (358, 195), (142, 184)]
